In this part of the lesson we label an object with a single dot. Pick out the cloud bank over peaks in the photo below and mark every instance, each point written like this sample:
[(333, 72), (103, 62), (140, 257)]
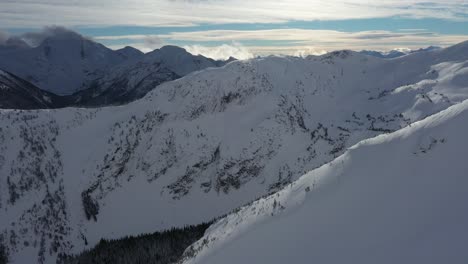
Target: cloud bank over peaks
[(306, 51), (34, 39), (222, 52)]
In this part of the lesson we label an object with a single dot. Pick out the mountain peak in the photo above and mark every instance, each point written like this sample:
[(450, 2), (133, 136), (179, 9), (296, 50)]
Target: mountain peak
[(341, 54), (65, 37), (230, 59), (57, 35), (129, 48), (65, 34), (130, 52), (170, 49)]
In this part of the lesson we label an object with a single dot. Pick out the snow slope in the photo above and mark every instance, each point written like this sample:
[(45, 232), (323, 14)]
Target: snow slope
[(198, 147), (396, 198)]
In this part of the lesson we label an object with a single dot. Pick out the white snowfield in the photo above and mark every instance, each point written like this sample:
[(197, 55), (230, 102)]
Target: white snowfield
[(198, 147), (395, 198)]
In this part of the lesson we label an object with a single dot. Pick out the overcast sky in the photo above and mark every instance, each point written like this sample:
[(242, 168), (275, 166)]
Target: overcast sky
[(219, 28)]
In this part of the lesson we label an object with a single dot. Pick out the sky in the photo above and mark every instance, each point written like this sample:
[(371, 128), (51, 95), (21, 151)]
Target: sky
[(241, 28)]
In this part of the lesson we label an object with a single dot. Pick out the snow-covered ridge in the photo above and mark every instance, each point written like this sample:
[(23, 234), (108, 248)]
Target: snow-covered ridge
[(395, 197), (397, 52), (198, 147)]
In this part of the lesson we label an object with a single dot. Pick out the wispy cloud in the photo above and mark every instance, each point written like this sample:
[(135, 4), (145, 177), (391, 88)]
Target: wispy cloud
[(289, 35), (244, 44), (298, 42), (302, 41), (21, 13), (306, 51), (4, 36), (152, 42)]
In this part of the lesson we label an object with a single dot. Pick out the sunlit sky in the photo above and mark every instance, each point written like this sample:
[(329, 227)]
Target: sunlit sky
[(219, 28)]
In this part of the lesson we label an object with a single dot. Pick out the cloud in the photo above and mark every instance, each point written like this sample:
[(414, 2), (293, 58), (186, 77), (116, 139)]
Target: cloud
[(318, 40), (306, 51), (297, 42), (4, 36), (221, 52), (27, 13), (36, 38), (152, 42), (7, 40), (244, 44)]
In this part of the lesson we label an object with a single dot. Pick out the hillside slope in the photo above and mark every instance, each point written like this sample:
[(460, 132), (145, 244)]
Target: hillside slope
[(15, 92), (397, 198)]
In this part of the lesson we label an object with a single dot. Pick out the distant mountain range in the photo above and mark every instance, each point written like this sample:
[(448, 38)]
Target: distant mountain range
[(82, 72), (134, 78), (396, 53), (63, 63)]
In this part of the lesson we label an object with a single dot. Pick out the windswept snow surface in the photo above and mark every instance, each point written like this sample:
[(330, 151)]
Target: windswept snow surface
[(396, 198), (198, 147)]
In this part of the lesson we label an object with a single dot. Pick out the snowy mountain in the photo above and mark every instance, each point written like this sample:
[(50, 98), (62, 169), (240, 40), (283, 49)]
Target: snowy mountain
[(396, 53), (132, 80), (396, 198), (63, 63), (127, 77), (198, 147), (16, 93)]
